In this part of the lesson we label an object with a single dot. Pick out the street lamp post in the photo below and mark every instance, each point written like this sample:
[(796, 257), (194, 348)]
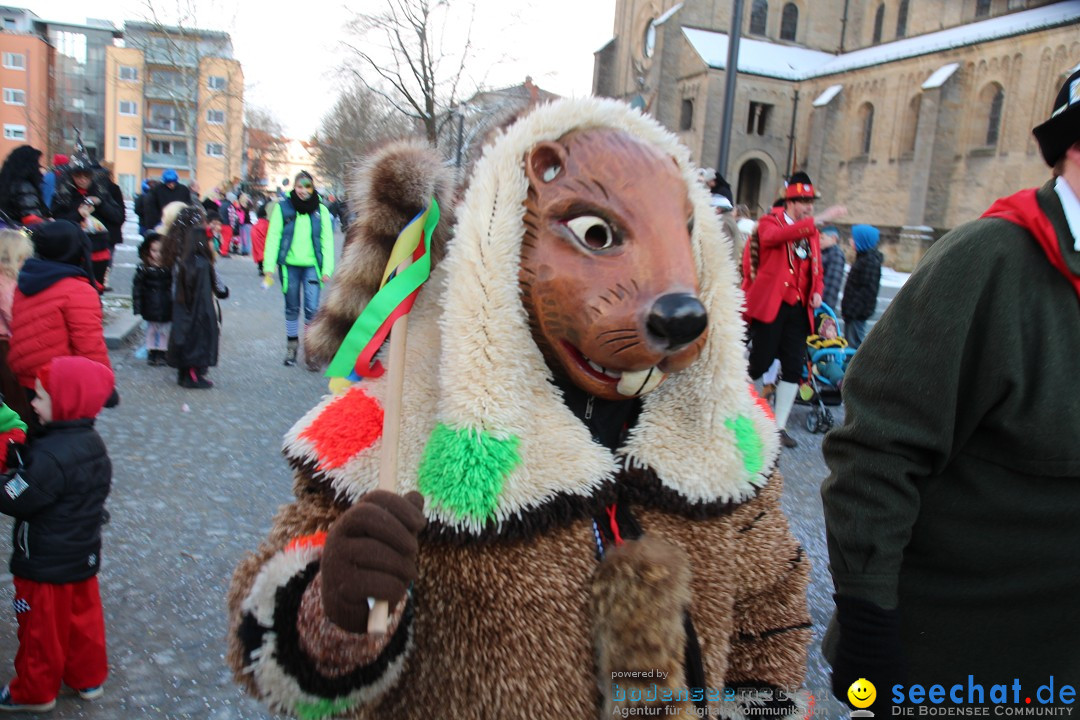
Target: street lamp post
[(732, 71)]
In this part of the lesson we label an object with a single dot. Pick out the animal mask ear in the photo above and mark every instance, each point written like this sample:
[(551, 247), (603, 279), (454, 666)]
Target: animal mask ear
[(544, 162)]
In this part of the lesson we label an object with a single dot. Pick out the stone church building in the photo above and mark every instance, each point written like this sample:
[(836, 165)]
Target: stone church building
[(915, 114)]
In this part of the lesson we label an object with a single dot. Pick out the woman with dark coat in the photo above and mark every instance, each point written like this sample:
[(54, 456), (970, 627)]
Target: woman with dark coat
[(193, 339), (83, 199), (20, 186)]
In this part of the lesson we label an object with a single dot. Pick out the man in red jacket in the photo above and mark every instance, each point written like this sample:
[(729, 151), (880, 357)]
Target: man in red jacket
[(783, 288)]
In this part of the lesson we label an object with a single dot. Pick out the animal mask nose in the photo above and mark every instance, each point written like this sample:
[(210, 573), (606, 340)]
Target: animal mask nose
[(676, 320)]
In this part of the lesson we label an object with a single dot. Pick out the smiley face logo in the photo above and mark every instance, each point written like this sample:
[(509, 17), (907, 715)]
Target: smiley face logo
[(862, 693)]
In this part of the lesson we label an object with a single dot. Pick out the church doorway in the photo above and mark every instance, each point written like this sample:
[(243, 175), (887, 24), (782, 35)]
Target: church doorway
[(748, 191)]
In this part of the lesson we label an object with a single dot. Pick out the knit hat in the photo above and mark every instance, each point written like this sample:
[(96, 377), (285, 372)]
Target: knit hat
[(61, 241), (59, 159), (169, 176), (1058, 134), (865, 236)]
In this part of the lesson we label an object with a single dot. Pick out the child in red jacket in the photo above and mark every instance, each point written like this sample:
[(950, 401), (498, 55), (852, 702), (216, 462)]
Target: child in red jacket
[(56, 310), (56, 491), (258, 237)]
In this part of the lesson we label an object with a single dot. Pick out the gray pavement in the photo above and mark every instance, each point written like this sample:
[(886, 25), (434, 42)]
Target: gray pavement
[(198, 476)]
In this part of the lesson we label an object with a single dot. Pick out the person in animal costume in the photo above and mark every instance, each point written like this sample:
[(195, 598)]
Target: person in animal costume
[(588, 511)]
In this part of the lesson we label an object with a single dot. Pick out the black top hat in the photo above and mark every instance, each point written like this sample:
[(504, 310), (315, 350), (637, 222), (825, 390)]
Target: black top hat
[(799, 187), (1057, 134)]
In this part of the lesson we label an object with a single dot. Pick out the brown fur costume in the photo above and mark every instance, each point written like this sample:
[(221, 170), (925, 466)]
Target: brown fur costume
[(512, 614)]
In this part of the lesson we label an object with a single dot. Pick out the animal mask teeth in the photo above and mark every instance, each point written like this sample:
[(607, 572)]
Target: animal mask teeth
[(639, 382), (614, 374)]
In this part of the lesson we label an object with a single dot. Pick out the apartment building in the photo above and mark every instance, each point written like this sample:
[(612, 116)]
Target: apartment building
[(176, 100), (24, 79)]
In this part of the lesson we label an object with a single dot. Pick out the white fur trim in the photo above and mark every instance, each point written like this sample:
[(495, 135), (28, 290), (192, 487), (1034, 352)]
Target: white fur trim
[(281, 692), (274, 574), (492, 377)]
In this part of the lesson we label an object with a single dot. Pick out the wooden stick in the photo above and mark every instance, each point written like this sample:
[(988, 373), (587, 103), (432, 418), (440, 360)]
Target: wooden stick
[(388, 462)]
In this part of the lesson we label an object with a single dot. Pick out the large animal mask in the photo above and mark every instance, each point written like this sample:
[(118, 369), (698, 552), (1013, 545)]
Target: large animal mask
[(608, 274)]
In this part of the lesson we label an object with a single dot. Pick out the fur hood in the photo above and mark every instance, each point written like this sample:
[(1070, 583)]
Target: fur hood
[(486, 436)]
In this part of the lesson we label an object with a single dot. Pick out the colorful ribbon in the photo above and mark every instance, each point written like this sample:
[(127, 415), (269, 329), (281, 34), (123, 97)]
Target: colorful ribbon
[(395, 298)]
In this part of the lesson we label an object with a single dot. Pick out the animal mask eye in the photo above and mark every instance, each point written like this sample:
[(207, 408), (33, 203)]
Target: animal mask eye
[(592, 232)]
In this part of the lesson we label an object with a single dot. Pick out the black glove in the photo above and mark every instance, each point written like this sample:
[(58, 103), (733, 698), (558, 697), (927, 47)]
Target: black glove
[(113, 400), (869, 647)]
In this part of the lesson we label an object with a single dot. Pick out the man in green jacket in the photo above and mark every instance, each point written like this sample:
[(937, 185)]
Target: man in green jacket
[(300, 250), (953, 505)]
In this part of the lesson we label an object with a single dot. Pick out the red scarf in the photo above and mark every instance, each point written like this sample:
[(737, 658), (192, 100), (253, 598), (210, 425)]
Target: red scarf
[(1023, 209)]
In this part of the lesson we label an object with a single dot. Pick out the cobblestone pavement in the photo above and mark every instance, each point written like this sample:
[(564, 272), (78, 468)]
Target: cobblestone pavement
[(198, 476)]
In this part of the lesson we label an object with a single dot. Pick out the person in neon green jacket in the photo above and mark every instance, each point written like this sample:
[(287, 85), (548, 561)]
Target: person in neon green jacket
[(300, 250)]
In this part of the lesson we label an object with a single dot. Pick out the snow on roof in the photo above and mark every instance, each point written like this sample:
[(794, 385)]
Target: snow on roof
[(756, 57), (759, 57), (667, 16), (826, 97), (940, 75)]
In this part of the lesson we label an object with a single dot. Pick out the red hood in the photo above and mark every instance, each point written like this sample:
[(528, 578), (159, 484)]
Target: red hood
[(78, 387), (1023, 209)]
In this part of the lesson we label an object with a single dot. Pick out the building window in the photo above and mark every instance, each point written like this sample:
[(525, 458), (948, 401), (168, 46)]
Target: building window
[(757, 121), (686, 117), (866, 124), (879, 21), (10, 24), (128, 107), (1016, 4), (216, 82), (14, 61), (14, 97), (129, 73), (128, 142), (789, 22), (901, 19), (911, 126), (215, 117), (759, 14), (14, 132), (993, 98), (167, 147), (982, 8), (215, 149), (78, 103)]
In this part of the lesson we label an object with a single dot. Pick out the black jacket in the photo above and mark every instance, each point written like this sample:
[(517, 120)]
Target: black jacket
[(151, 293), (116, 229), (861, 290), (193, 338), (25, 199), (158, 198), (58, 501), (66, 202)]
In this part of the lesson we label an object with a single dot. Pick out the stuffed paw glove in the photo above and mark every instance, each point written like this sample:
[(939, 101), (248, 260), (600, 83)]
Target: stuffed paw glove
[(370, 552)]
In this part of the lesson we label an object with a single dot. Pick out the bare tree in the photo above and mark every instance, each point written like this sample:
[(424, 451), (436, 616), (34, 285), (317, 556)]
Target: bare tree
[(359, 119), (414, 55), (265, 141)]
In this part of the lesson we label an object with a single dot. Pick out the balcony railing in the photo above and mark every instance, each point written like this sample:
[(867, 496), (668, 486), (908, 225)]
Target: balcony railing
[(170, 92), (151, 159), (172, 129)]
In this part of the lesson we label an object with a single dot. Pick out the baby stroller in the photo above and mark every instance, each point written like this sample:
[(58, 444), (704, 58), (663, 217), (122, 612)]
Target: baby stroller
[(827, 358)]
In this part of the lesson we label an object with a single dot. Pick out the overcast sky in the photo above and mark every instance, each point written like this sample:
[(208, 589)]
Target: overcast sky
[(290, 56)]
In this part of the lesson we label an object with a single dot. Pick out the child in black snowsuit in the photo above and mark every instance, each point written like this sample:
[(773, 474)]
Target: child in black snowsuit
[(864, 279), (56, 489), (193, 341), (151, 297)]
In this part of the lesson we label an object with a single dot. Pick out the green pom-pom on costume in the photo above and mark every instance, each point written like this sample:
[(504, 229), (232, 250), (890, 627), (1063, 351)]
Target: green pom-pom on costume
[(322, 709), (463, 470), (748, 443)]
